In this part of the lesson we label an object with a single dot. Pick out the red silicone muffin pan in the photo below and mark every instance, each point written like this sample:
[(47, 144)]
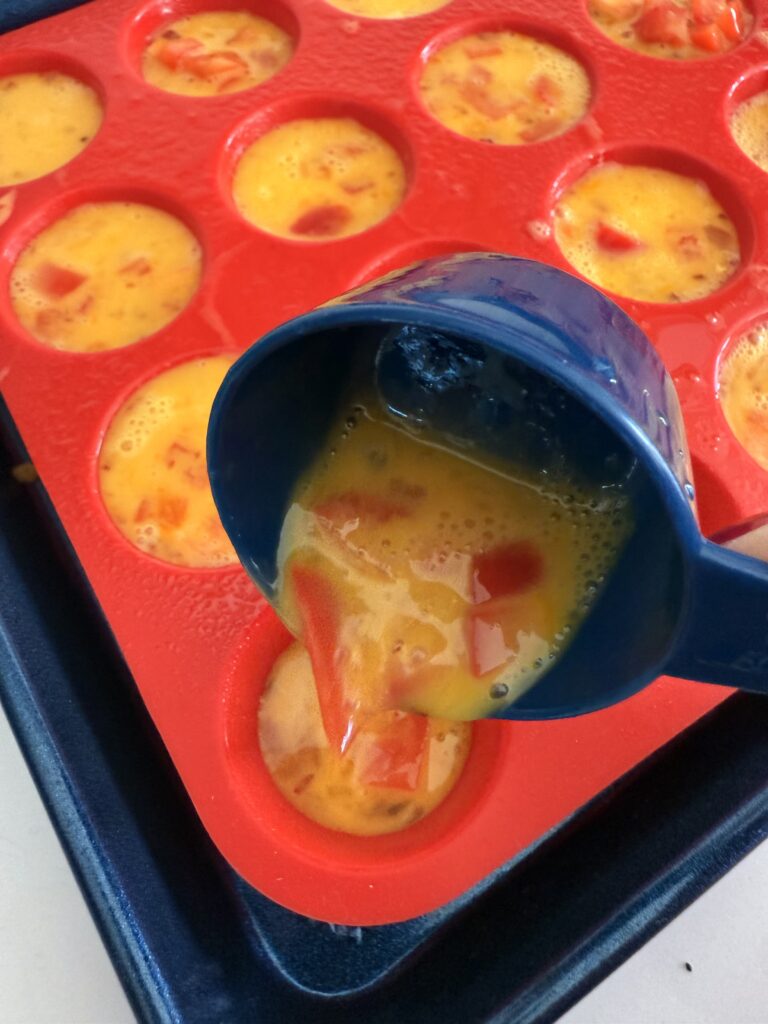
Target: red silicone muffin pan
[(200, 642)]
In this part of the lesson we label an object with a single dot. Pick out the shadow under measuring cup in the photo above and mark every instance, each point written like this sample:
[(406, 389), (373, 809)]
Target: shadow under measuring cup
[(451, 339)]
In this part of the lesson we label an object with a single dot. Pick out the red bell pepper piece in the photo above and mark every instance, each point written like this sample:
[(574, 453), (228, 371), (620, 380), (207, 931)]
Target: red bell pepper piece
[(144, 511), (665, 23), (706, 11), (492, 629), (396, 751), (49, 322), (476, 51), (172, 511), (56, 282), (140, 266), (614, 240), (344, 508), (506, 570), (708, 37), (244, 35), (731, 22), (542, 129), (320, 625), (322, 221), (547, 91), (174, 52), (214, 65)]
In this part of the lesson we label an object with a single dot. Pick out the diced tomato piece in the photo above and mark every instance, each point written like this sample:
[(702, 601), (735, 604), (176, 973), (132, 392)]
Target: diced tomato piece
[(49, 322), (476, 51), (731, 22), (56, 282), (689, 246), (547, 91), (708, 37), (353, 188), (172, 511), (479, 75), (320, 625), (173, 52), (144, 511), (246, 34), (213, 65), (494, 628), (757, 420), (663, 23), (718, 236), (542, 129), (509, 569), (266, 59), (706, 11), (197, 475), (176, 450), (614, 240), (395, 751), (140, 266), (322, 221), (224, 81), (344, 508), (476, 96)]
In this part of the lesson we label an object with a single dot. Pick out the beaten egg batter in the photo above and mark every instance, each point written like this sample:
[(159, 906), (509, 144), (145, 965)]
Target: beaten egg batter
[(105, 275), (504, 87), (153, 474), (749, 127), (397, 769), (743, 392), (318, 178), (646, 233), (423, 580), (215, 52), (46, 119), (678, 29), (387, 8)]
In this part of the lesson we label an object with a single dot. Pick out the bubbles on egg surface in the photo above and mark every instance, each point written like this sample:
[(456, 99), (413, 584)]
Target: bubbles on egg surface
[(748, 125)]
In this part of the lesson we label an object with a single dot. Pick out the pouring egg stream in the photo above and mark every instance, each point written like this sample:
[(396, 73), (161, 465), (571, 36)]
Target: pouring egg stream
[(428, 583)]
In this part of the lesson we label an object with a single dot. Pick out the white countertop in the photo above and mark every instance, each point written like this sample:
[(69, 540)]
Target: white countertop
[(54, 970)]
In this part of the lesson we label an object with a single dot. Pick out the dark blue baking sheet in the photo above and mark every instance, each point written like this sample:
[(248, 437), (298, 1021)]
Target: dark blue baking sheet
[(193, 943)]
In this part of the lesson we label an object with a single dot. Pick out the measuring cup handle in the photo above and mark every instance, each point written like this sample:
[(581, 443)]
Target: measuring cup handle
[(725, 639)]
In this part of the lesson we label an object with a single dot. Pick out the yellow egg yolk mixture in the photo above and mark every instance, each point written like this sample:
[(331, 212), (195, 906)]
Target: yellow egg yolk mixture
[(646, 233), (743, 392), (504, 87), (387, 8), (318, 178), (153, 475), (105, 275), (46, 119), (215, 52), (396, 770)]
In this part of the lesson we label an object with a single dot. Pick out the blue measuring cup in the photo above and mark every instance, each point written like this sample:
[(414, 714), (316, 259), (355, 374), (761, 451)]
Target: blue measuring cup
[(460, 340)]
